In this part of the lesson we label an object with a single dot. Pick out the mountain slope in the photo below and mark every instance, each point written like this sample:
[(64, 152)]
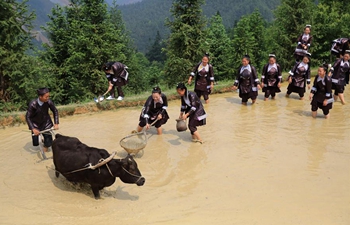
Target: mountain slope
[(119, 2), (145, 18), (123, 2)]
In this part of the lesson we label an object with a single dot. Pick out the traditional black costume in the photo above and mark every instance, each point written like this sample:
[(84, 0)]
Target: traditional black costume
[(204, 76), (340, 75), (322, 90), (247, 81), (339, 46), (300, 75), (303, 39), (38, 117), (271, 77), (152, 109), (118, 77), (190, 103)]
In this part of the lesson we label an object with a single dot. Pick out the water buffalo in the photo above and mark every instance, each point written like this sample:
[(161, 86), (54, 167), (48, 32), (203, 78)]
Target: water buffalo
[(72, 159)]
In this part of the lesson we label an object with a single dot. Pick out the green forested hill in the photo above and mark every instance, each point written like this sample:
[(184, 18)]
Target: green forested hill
[(42, 9), (232, 10), (123, 2), (145, 18)]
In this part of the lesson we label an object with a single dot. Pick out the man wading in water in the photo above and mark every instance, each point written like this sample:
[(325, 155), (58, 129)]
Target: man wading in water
[(38, 118)]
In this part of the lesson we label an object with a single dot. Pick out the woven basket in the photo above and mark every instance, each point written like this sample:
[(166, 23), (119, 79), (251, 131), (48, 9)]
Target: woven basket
[(133, 143)]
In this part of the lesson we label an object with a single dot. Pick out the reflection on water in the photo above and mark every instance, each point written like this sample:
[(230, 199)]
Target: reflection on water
[(267, 163)]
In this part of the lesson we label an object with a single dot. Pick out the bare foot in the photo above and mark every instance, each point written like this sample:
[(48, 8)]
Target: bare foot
[(196, 140)]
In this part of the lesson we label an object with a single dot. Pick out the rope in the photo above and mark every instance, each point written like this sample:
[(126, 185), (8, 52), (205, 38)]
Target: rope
[(87, 166), (90, 166), (101, 163), (109, 170), (132, 174)]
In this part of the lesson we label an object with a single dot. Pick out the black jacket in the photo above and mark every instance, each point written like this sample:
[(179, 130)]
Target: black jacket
[(38, 116), (152, 109), (190, 103)]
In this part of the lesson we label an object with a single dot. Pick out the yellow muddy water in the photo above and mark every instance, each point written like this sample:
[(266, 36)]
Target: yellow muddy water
[(265, 164)]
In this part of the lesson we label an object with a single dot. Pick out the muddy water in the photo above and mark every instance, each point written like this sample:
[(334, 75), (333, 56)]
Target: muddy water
[(269, 163)]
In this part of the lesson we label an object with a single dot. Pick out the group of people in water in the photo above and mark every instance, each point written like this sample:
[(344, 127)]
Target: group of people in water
[(321, 96), (247, 82), (154, 111)]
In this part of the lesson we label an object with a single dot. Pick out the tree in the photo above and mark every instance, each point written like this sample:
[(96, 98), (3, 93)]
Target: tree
[(249, 39), (15, 40), (219, 47), (118, 25), (145, 17), (331, 22), (185, 44), (155, 53), (291, 18), (83, 36)]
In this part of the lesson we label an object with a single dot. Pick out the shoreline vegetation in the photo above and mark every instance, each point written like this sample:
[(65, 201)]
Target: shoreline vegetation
[(18, 118)]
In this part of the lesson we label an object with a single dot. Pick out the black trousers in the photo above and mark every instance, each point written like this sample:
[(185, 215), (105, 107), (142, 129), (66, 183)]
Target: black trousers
[(119, 91), (47, 140)]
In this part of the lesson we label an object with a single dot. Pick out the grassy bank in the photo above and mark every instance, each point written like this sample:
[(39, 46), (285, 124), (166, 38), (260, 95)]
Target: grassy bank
[(17, 118)]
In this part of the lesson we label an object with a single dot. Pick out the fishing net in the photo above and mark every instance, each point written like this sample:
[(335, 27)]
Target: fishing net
[(135, 142)]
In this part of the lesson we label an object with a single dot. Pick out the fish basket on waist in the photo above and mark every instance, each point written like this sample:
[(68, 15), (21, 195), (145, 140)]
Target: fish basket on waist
[(133, 143)]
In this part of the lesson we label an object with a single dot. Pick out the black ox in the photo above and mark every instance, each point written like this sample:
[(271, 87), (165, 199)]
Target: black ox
[(72, 158)]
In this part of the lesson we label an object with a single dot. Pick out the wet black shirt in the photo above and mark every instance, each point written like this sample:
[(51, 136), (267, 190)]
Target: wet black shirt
[(38, 116)]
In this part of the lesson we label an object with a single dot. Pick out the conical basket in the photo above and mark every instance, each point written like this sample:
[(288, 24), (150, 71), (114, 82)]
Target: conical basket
[(133, 143)]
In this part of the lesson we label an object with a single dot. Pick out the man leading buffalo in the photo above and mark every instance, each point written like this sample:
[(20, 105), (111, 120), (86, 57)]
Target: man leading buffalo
[(38, 118)]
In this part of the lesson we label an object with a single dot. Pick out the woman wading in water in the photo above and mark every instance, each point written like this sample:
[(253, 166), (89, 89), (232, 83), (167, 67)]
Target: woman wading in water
[(299, 77), (247, 81), (154, 111), (340, 76), (271, 78), (204, 78), (192, 108), (321, 92)]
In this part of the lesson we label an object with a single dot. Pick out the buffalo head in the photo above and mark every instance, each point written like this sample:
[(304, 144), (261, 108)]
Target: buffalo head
[(131, 174)]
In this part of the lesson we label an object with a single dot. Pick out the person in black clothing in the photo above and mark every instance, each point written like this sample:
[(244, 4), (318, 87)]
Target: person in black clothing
[(247, 81), (154, 109), (192, 108), (38, 117), (304, 43), (117, 76), (299, 77), (204, 78), (271, 78), (321, 92), (340, 76), (339, 46)]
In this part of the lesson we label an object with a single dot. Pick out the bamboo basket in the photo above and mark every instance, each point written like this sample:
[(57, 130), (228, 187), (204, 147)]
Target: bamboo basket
[(133, 143)]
